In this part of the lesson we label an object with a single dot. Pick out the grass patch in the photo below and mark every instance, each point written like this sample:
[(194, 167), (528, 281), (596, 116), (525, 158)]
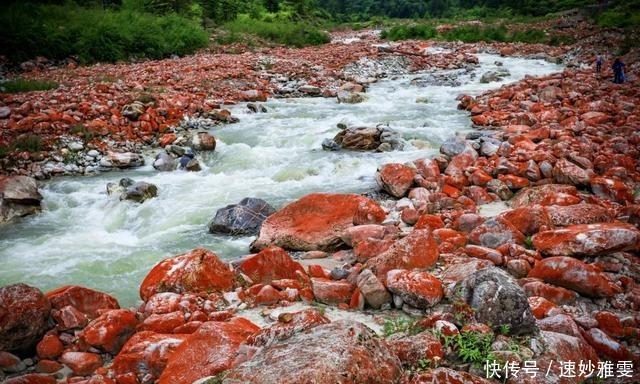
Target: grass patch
[(19, 85), (290, 33), (625, 14), (411, 31), (28, 143), (400, 324), (466, 33), (94, 35)]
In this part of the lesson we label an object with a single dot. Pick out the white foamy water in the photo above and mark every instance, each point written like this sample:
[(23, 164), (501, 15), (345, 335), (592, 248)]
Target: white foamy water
[(85, 237)]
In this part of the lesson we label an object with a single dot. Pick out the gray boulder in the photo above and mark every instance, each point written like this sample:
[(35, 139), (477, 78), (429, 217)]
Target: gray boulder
[(347, 97), (137, 191), (497, 299), (164, 162), (19, 197), (244, 218)]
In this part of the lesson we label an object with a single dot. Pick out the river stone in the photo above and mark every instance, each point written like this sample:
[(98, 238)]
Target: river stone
[(350, 97), (203, 141), (497, 300), (339, 352), (133, 111), (244, 218), (164, 162), (123, 160), (24, 314), (19, 197), (137, 191), (455, 146)]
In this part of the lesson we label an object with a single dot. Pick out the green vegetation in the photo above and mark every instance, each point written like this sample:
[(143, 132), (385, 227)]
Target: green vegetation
[(624, 14), (412, 31), (466, 33), (26, 85), (296, 34), (472, 347), (28, 143), (400, 324)]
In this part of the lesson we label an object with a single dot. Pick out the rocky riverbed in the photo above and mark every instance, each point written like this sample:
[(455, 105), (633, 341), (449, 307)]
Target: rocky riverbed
[(548, 274)]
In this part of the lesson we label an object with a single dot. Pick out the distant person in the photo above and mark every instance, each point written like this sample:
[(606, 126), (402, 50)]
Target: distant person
[(599, 61), (618, 71)]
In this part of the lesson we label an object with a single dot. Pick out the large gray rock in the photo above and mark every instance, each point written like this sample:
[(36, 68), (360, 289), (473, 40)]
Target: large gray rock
[(19, 197), (164, 162), (340, 352), (244, 218), (497, 299), (455, 146), (137, 191), (122, 160)]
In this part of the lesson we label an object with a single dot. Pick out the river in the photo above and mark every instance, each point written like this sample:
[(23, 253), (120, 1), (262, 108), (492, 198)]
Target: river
[(87, 238)]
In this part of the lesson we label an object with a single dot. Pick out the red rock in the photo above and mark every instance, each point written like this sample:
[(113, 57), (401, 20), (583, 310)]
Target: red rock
[(357, 234), (456, 272), (331, 291), (288, 324), (594, 118), (146, 353), (267, 296), (444, 375), (428, 169), (566, 172), (81, 363), (460, 163), (197, 271), (564, 216), (396, 179), (611, 324), (419, 289), (48, 366), (374, 292), (163, 323), (514, 182), (480, 178), (606, 347), (411, 349), (611, 189), (31, 378), (573, 274), (314, 222), (110, 330), (451, 236), (207, 352), (409, 216), (549, 194), (50, 347), (83, 299), (8, 360), (560, 323), (467, 222), (69, 318), (417, 250), (588, 239), (24, 312), (451, 191), (429, 222), (368, 213), (369, 248), (495, 232), (167, 139), (557, 295), (484, 253), (339, 352), (529, 219), (540, 307), (316, 270), (270, 264), (477, 328), (480, 195)]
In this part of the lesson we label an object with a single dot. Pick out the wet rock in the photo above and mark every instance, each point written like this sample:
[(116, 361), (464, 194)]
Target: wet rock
[(396, 179), (347, 97), (254, 95), (19, 197), (146, 353), (31, 378), (197, 271), (374, 292), (212, 349), (417, 250), (138, 191), (270, 264), (493, 76), (588, 239), (86, 301), (288, 324), (122, 160), (310, 90), (330, 145), (454, 146), (574, 274), (256, 108), (529, 219), (50, 347), (566, 172), (606, 346), (24, 314), (5, 112), (332, 292), (339, 352), (419, 289), (314, 222), (164, 162), (133, 111), (359, 138), (498, 300), (244, 218), (110, 330), (203, 141)]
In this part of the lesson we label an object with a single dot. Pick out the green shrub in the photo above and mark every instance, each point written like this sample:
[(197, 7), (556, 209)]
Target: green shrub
[(29, 143), (26, 85), (296, 34), (94, 35)]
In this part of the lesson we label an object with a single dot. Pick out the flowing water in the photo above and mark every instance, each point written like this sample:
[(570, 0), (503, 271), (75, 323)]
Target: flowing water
[(85, 237)]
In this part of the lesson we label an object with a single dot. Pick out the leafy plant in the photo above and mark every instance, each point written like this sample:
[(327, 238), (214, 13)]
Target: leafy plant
[(400, 324), (472, 347)]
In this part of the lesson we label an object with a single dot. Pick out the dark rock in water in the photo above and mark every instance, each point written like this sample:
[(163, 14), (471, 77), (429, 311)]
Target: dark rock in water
[(164, 162), (137, 191), (378, 138), (330, 145), (24, 312), (193, 165), (244, 218), (19, 197), (497, 299), (491, 76), (256, 108), (439, 79), (339, 352), (347, 97)]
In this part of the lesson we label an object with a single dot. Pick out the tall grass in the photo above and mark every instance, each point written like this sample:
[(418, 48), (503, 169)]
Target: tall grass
[(291, 33), (94, 35), (26, 85)]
